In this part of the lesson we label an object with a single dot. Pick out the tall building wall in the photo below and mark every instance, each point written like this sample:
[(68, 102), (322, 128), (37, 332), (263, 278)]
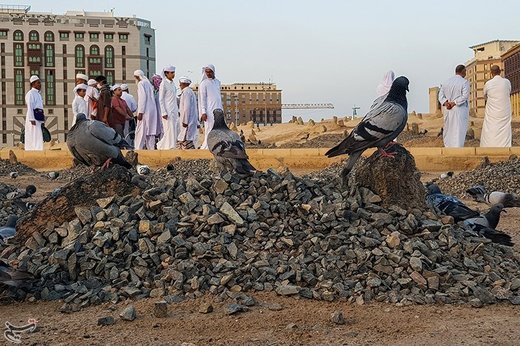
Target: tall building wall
[(56, 47)]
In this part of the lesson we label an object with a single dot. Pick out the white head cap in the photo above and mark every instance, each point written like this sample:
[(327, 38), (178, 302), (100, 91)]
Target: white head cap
[(82, 76), (80, 87), (33, 79), (209, 66), (185, 80), (124, 87), (91, 82), (115, 86), (139, 73)]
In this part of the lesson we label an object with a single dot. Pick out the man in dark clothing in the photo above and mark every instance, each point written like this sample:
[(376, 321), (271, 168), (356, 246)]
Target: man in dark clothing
[(120, 111), (104, 105)]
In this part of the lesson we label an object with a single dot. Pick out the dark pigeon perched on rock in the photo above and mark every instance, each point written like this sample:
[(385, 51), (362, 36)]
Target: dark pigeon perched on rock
[(380, 126), (93, 143), (508, 200), (227, 147), (442, 204)]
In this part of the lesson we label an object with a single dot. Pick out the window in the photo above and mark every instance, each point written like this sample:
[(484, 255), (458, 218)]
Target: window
[(109, 57), (80, 56), (110, 77), (34, 46), (3, 34), (64, 36), (94, 36), (94, 50), (49, 55), (18, 87), (147, 38), (34, 60), (95, 60), (34, 36), (49, 36), (123, 38), (18, 54), (79, 36), (94, 73), (18, 35), (50, 83), (109, 37)]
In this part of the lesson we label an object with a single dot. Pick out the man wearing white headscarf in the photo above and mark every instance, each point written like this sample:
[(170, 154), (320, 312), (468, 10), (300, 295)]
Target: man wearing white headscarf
[(79, 105), (132, 104), (33, 128), (147, 125), (384, 87), (91, 97), (209, 100), (169, 110), (188, 116)]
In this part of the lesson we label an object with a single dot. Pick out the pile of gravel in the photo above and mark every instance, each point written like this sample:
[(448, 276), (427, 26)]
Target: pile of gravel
[(7, 167), (184, 237), (501, 176), (9, 206)]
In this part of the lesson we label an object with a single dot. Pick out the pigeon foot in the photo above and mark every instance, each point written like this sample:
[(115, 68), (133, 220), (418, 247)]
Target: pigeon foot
[(383, 153), (106, 164)]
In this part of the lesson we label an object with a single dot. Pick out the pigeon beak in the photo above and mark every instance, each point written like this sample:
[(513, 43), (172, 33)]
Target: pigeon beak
[(407, 89)]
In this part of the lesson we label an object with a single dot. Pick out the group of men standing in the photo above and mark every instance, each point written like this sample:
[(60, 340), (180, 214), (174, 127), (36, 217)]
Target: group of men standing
[(454, 97), (164, 119)]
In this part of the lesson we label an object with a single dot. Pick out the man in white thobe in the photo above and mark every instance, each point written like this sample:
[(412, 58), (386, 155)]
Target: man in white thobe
[(92, 97), (132, 104), (147, 125), (188, 116), (453, 96), (33, 128), (496, 130), (209, 100), (169, 110)]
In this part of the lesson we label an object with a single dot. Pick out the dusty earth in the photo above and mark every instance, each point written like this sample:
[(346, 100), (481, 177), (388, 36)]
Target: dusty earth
[(299, 322)]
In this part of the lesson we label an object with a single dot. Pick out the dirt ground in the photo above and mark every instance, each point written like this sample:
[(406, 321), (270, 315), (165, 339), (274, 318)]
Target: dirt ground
[(300, 322)]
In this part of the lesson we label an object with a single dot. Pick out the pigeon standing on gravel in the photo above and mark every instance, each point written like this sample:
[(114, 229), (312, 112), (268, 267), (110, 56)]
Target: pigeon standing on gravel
[(380, 126), (442, 204), (93, 143), (486, 224), (227, 147), (22, 193), (9, 229), (479, 194), (53, 175), (13, 175)]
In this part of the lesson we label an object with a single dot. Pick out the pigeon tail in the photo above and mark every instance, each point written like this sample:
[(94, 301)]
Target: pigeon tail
[(351, 161), (496, 237), (242, 166), (477, 192), (342, 148)]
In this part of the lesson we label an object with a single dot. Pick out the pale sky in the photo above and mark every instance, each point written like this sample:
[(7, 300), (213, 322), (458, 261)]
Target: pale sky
[(317, 51)]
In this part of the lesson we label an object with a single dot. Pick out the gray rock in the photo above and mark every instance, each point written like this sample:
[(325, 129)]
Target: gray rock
[(106, 321), (129, 313), (160, 309), (232, 309), (287, 290), (337, 317), (231, 214), (205, 308)]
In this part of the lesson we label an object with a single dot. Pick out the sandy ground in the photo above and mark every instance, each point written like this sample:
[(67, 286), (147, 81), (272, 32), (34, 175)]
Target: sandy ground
[(300, 322)]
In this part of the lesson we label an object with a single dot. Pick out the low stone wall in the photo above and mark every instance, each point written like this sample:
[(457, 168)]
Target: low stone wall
[(427, 159)]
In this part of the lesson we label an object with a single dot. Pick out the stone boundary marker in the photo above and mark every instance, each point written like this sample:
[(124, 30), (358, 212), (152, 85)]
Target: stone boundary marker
[(427, 159)]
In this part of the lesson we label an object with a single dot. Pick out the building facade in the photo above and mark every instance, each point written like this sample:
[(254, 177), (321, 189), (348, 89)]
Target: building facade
[(56, 47), (257, 102), (478, 70), (511, 62)]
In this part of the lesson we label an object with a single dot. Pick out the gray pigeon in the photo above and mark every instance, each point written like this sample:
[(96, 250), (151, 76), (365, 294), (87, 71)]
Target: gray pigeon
[(9, 230), (227, 147), (486, 224), (479, 194), (53, 175), (12, 277), (22, 193), (93, 143), (13, 175), (442, 204), (380, 126)]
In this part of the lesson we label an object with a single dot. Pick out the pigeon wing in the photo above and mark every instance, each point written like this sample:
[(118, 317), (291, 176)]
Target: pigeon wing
[(103, 132), (227, 144)]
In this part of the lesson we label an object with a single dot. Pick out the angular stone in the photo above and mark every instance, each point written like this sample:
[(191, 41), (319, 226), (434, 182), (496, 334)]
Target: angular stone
[(215, 219), (84, 215), (105, 202), (337, 317), (220, 186), (164, 238), (205, 308), (287, 290), (106, 321), (129, 313), (232, 309), (392, 240), (160, 309), (144, 226), (231, 214), (416, 264), (186, 198), (419, 279)]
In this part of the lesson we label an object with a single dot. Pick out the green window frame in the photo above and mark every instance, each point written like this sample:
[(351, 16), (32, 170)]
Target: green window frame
[(19, 91), (109, 57), (18, 54)]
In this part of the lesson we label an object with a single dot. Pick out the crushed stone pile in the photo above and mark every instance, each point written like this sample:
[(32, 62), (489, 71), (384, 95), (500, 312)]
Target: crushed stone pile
[(7, 205), (7, 167), (182, 238), (501, 176)]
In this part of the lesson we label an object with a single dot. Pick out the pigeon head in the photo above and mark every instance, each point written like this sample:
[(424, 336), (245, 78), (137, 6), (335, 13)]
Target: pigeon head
[(220, 122), (493, 215), (30, 189), (433, 189), (398, 91), (80, 117), (11, 221)]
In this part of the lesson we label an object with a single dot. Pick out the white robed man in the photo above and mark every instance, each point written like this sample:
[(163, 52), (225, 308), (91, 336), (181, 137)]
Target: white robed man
[(209, 100), (169, 110), (91, 96), (79, 105), (132, 104), (33, 128), (453, 96), (384, 87), (496, 130), (148, 126), (188, 116)]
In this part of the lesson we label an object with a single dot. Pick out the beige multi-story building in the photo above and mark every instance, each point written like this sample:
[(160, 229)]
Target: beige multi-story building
[(511, 62), (478, 70), (257, 102), (56, 47)]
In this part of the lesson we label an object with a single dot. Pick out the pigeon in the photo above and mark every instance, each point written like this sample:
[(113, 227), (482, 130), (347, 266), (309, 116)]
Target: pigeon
[(93, 143), (380, 126), (9, 230), (13, 175), (12, 277), (442, 205), (227, 147), (479, 194), (53, 175), (486, 224), (22, 193), (143, 169), (170, 167), (446, 175)]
